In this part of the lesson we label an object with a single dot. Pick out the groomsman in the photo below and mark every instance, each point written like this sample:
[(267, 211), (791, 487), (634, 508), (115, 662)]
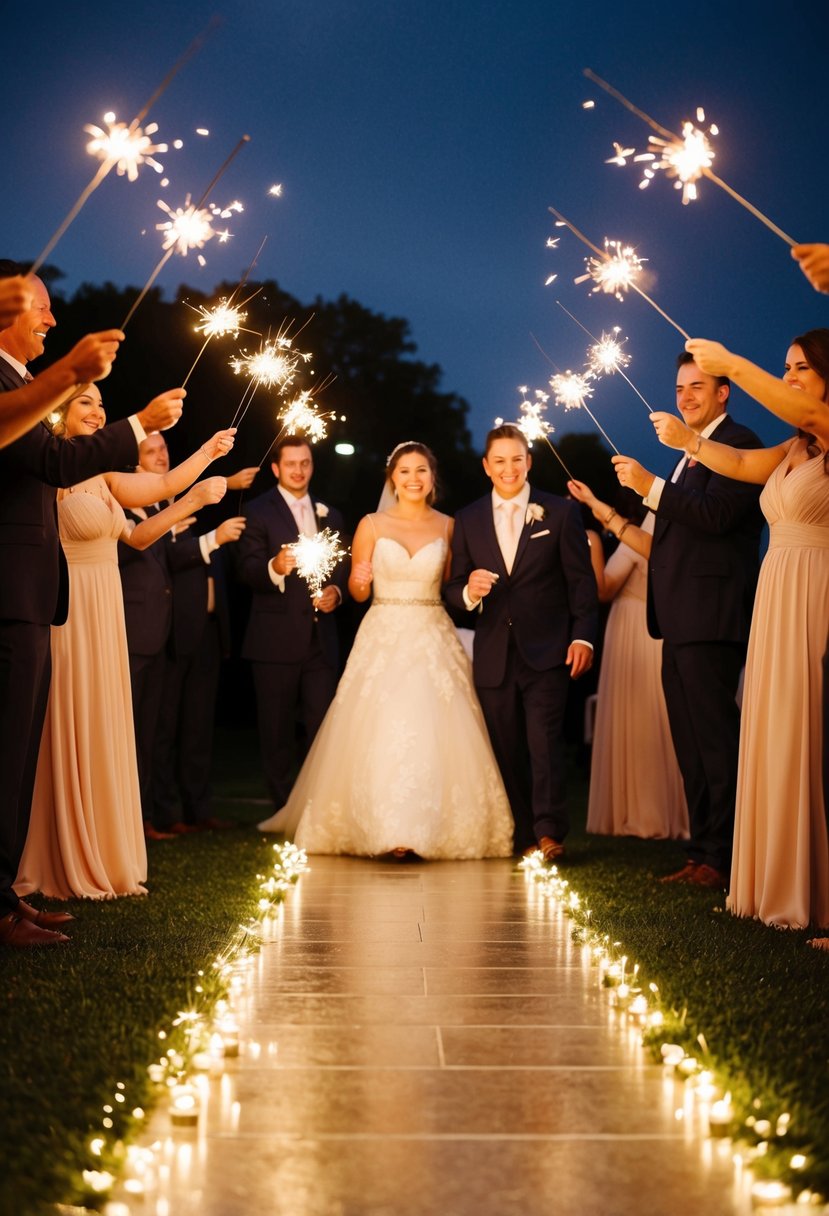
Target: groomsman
[(291, 642), (702, 576), (521, 562), (34, 588)]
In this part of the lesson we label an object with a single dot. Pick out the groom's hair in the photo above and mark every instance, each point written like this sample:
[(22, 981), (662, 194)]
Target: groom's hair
[(507, 430)]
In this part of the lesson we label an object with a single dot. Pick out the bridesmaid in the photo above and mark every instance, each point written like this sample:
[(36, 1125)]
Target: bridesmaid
[(780, 871), (86, 835), (635, 783)]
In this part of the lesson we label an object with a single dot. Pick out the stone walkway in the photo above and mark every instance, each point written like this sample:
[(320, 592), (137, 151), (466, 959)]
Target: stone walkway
[(425, 1039)]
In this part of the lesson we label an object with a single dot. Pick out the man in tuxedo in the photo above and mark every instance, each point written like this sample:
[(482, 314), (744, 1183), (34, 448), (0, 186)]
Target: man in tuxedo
[(199, 638), (34, 589), (702, 575), (521, 562), (291, 642)]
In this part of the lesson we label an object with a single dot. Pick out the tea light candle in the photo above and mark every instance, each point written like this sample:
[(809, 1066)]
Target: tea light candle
[(185, 1105), (768, 1193), (720, 1117), (228, 1029)]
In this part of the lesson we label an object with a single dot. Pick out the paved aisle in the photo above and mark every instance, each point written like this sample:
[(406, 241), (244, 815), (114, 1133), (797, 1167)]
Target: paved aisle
[(432, 1043)]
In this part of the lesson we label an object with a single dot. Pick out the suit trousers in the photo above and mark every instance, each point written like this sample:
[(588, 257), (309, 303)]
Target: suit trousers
[(25, 674), (184, 737), (525, 719), (147, 679), (700, 683), (281, 689)]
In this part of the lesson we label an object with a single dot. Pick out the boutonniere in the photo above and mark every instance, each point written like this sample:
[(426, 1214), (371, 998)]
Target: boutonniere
[(320, 510), (535, 513)]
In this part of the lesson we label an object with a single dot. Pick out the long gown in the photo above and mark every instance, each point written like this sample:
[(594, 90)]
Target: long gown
[(403, 759), (780, 871), (86, 835), (635, 783)]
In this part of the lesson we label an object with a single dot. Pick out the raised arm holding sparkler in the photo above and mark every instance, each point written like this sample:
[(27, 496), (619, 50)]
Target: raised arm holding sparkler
[(611, 520)]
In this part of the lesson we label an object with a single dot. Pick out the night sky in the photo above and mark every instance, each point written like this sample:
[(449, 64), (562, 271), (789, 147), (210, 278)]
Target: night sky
[(419, 145)]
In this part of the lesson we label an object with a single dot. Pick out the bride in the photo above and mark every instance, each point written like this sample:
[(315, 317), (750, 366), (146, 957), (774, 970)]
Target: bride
[(402, 763)]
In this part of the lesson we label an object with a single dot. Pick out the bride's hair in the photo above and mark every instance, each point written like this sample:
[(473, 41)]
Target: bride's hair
[(402, 449)]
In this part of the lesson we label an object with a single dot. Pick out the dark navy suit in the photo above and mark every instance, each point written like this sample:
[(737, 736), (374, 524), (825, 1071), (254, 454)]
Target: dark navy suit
[(522, 635), (702, 576), (293, 651)]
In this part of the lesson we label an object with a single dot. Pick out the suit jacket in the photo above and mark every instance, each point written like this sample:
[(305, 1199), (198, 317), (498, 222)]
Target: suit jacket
[(148, 594), (704, 561), (546, 602), (281, 624), (190, 573), (34, 583)]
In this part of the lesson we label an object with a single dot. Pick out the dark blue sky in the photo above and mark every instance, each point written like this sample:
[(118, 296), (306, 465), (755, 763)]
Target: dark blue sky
[(419, 144)]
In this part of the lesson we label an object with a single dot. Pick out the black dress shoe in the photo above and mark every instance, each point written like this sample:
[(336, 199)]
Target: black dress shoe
[(21, 934), (43, 919)]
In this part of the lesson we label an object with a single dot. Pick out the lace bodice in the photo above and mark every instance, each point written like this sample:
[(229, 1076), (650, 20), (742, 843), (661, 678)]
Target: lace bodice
[(397, 576)]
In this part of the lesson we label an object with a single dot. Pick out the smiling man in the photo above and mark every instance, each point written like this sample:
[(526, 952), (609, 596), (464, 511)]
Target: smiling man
[(701, 579), (521, 563)]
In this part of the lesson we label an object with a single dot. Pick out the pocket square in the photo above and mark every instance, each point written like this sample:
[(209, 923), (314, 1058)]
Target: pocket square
[(535, 535)]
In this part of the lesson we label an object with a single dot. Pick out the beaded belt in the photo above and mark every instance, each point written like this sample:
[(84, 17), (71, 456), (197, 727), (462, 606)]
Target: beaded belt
[(393, 600)]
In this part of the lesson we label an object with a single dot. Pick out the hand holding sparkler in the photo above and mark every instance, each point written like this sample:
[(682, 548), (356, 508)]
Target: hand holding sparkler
[(219, 445), (15, 298), (284, 562), (163, 411), (814, 262), (205, 493), (711, 357), (672, 431), (242, 480), (315, 558), (229, 530), (92, 357), (631, 473)]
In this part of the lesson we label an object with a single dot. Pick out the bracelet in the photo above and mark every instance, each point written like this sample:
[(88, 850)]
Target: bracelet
[(696, 449), (621, 531), (608, 518)]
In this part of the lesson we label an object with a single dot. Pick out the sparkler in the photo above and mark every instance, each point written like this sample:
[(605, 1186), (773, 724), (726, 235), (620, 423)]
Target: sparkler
[(224, 318), (534, 425), (687, 157), (316, 557), (122, 147), (189, 227), (274, 365), (606, 356), (571, 389), (302, 417), (623, 267)]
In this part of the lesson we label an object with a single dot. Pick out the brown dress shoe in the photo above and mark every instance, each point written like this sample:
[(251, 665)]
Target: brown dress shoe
[(683, 875), (152, 833), (553, 850), (183, 829), (707, 876), (20, 933), (45, 920)]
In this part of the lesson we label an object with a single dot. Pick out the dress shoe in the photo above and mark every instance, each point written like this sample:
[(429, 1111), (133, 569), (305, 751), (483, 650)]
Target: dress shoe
[(45, 920), (683, 875), (553, 850), (152, 833), (216, 825), (20, 933), (707, 876), (183, 829)]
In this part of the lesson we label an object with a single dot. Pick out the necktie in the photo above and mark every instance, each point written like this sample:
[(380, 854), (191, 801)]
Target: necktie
[(304, 516), (510, 533)]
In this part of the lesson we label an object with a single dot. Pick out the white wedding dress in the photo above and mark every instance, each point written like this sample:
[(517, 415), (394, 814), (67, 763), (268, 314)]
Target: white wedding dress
[(403, 759)]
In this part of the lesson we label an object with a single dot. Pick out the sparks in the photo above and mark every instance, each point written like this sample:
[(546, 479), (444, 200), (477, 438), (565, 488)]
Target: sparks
[(684, 159), (532, 423), (618, 271), (276, 190), (124, 147), (571, 389), (188, 227), (316, 556), (607, 355), (274, 365), (302, 417), (620, 156), (220, 320)]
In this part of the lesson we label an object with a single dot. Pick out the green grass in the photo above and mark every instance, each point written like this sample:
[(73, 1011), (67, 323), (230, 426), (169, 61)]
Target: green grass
[(77, 1020), (760, 996)]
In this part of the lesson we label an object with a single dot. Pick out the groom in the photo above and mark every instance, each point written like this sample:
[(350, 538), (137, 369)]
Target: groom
[(521, 561)]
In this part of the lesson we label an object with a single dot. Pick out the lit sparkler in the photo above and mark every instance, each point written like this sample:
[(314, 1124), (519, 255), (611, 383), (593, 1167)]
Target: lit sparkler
[(687, 157), (534, 425), (189, 227), (122, 147), (606, 356), (614, 272), (303, 417), (224, 318), (571, 389), (274, 365), (316, 558)]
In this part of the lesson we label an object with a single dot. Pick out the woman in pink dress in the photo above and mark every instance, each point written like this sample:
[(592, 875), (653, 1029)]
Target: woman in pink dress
[(86, 835), (780, 871)]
